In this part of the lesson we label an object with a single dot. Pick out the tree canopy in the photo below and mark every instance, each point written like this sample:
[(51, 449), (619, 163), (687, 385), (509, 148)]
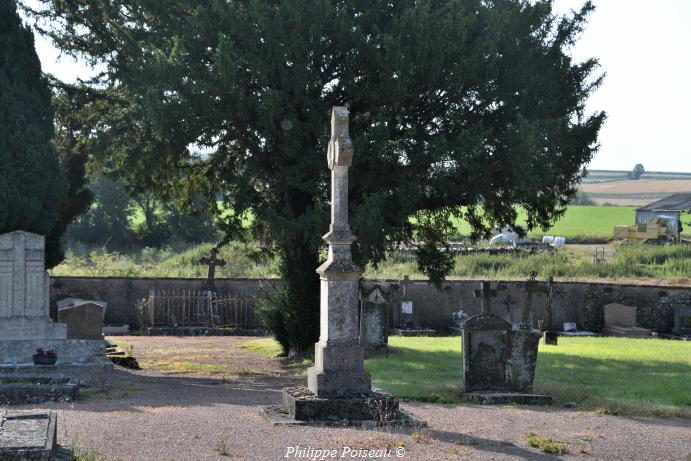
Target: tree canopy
[(458, 108), (637, 171), (32, 185)]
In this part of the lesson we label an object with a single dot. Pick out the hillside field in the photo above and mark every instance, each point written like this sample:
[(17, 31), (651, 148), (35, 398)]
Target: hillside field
[(580, 223), (618, 175), (634, 193)]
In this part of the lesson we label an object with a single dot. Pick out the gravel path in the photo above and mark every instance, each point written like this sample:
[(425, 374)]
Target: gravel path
[(151, 415)]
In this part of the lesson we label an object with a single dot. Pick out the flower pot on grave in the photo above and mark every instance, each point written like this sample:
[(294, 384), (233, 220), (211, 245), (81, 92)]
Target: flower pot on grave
[(45, 359)]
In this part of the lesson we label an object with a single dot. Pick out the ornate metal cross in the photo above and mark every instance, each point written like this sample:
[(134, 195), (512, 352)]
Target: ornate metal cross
[(212, 262)]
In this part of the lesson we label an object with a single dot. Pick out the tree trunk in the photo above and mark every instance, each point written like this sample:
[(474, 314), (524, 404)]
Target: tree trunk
[(298, 271)]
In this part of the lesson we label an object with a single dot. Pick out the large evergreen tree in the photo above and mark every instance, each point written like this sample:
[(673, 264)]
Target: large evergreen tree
[(459, 108), (32, 185)]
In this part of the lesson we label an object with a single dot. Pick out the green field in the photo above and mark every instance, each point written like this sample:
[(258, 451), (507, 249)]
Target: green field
[(606, 375), (579, 223)]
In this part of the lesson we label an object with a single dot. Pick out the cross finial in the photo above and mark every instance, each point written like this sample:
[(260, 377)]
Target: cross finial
[(340, 151)]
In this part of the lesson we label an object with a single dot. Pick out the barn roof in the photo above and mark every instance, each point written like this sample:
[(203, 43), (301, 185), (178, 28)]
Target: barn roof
[(675, 202)]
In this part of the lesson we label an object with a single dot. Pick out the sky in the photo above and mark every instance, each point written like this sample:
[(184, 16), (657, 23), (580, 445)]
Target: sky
[(644, 48)]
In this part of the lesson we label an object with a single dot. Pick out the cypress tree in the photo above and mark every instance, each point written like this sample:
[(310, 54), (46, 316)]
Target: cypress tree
[(32, 185)]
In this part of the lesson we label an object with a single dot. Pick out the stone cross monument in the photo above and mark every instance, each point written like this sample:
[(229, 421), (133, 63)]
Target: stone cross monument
[(338, 369), (338, 387)]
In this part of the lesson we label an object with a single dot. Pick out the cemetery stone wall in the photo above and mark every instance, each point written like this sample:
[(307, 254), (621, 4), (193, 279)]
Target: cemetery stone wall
[(582, 303)]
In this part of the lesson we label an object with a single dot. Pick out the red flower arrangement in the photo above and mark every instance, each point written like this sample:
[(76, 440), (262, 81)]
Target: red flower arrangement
[(49, 353)]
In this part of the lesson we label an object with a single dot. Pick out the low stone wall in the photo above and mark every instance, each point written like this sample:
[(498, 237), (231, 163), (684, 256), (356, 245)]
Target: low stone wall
[(577, 302), (582, 303), (123, 293)]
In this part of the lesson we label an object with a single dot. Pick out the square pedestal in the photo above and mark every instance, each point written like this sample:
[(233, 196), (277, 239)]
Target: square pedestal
[(301, 406)]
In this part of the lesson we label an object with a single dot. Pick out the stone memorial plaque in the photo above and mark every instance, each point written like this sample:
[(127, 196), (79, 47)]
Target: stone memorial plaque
[(407, 307)]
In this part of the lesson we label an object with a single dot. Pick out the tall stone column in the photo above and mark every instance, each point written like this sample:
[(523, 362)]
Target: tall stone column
[(339, 391), (338, 369)]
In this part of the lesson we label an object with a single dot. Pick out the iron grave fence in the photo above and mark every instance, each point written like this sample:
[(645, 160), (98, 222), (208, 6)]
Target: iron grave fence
[(176, 311)]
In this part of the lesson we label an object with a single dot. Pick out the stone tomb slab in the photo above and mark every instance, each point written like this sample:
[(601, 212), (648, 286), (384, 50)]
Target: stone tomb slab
[(620, 320), (506, 398), (27, 435)]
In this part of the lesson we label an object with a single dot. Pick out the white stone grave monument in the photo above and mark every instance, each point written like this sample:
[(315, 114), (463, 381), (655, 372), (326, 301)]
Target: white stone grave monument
[(25, 324)]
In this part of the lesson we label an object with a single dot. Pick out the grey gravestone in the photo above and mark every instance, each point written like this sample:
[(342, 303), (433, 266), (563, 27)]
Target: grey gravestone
[(28, 435), (69, 302), (486, 351), (84, 321), (682, 321), (373, 320), (498, 361)]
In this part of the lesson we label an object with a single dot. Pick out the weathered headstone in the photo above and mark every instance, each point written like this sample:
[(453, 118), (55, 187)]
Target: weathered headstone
[(339, 388), (486, 351), (84, 321), (620, 320), (69, 302), (374, 320), (498, 360)]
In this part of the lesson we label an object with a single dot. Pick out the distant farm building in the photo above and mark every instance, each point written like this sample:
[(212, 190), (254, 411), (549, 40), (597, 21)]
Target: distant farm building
[(669, 209)]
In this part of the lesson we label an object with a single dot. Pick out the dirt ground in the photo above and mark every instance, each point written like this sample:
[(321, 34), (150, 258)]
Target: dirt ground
[(200, 398)]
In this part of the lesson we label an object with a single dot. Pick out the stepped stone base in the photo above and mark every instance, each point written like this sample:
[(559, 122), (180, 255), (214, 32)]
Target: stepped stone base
[(18, 352), (22, 328), (506, 398), (301, 406)]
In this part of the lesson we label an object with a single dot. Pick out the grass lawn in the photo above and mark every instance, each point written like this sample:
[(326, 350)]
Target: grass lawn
[(608, 375)]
